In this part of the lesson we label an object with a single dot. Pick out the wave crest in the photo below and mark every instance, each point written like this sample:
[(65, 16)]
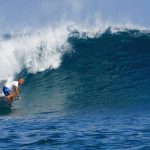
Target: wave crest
[(37, 51)]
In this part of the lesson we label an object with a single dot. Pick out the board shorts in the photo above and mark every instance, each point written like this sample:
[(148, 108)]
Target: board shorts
[(6, 91)]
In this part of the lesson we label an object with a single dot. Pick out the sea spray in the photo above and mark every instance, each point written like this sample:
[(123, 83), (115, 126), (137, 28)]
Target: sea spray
[(34, 52)]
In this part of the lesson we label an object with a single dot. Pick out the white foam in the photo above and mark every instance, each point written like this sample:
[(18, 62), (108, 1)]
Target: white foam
[(36, 51)]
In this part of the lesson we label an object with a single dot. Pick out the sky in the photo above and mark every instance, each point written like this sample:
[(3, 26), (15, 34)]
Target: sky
[(19, 14)]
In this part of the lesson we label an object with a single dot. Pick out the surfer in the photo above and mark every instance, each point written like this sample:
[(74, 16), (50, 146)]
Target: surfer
[(11, 90)]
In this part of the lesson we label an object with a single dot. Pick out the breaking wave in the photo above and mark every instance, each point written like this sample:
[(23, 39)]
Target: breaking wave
[(36, 51)]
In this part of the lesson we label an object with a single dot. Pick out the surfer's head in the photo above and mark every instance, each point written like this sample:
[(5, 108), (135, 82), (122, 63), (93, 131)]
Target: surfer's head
[(20, 81)]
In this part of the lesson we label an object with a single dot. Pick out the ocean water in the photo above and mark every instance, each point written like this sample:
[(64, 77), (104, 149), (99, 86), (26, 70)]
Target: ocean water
[(88, 92)]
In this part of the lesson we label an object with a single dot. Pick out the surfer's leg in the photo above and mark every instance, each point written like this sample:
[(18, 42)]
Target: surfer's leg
[(10, 97)]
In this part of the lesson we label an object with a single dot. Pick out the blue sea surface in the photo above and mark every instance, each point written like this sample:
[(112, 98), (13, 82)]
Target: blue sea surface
[(99, 98)]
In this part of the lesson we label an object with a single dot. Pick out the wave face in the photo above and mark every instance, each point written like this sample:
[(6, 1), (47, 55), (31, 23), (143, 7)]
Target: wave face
[(97, 97), (112, 69), (108, 71)]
